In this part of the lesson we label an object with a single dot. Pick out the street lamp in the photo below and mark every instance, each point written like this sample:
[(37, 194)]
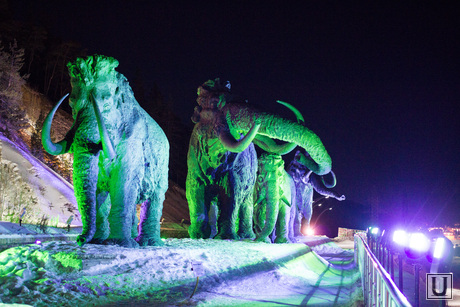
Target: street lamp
[(315, 202)]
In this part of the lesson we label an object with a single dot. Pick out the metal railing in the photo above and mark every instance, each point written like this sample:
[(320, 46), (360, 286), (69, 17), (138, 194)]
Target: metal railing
[(378, 288)]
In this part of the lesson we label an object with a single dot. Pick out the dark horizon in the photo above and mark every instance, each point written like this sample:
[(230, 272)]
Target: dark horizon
[(378, 83)]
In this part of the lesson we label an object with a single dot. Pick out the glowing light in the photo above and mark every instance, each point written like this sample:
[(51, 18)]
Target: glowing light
[(38, 242), (375, 230), (310, 231), (400, 237), (439, 248), (419, 242)]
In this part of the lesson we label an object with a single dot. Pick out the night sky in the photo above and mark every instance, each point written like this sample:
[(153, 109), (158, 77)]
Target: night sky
[(378, 83)]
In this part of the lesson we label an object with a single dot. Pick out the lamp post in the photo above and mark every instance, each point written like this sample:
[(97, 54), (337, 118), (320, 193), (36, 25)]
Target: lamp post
[(316, 201)]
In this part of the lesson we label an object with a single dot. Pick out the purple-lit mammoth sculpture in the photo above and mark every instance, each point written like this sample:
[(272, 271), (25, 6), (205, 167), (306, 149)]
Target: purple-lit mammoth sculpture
[(306, 183), (218, 130), (120, 156)]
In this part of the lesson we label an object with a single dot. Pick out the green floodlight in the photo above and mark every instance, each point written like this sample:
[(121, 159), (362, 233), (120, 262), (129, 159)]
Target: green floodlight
[(375, 231)]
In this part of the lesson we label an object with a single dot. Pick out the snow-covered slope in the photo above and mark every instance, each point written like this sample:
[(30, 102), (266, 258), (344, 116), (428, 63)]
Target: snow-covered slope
[(54, 193), (231, 273)]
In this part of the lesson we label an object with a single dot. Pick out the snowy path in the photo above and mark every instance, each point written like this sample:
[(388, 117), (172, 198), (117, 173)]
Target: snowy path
[(236, 273)]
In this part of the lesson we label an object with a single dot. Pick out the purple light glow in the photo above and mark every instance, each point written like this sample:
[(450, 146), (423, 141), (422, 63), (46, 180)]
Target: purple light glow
[(419, 242)]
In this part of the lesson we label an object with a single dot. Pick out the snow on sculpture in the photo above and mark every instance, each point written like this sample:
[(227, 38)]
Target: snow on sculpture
[(273, 198), (305, 185), (120, 156), (218, 129)]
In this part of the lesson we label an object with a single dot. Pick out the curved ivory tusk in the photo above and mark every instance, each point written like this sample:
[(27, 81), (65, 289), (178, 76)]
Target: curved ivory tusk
[(233, 145), (297, 113), (52, 148)]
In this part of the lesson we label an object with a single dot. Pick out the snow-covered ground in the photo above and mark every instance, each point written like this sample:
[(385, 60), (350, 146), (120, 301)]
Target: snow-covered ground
[(231, 273), (239, 273)]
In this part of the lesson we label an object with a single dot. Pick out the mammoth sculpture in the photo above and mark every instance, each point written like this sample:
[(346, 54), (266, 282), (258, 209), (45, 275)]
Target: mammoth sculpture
[(220, 127), (273, 195), (120, 156), (306, 184)]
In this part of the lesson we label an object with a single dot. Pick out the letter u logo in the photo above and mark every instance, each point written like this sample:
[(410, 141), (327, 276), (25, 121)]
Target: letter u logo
[(433, 286)]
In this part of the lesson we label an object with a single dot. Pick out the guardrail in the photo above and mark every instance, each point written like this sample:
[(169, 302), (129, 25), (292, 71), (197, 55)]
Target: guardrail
[(378, 288)]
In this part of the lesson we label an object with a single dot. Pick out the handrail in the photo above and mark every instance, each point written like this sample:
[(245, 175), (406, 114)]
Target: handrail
[(378, 287)]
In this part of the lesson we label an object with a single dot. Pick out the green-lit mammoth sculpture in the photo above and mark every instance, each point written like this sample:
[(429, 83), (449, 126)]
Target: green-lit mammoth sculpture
[(273, 197), (218, 130), (120, 156)]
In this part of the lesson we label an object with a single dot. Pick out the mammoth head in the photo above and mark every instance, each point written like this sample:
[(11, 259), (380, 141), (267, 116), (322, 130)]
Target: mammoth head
[(298, 168), (92, 79), (213, 94), (94, 76)]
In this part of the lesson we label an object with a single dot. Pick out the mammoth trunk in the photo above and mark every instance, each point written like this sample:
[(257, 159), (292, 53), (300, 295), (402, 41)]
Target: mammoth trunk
[(241, 118), (107, 145)]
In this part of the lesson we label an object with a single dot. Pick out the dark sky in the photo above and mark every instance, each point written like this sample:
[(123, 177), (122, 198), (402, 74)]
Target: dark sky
[(378, 83)]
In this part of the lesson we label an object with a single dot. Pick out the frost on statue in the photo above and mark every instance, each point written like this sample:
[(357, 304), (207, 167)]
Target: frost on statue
[(120, 156)]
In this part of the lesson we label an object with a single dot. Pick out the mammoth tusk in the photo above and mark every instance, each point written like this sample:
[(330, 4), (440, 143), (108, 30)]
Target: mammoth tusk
[(107, 145), (297, 113), (269, 145), (52, 148), (230, 144)]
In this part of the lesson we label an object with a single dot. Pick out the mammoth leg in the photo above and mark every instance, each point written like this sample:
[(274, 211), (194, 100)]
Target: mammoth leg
[(199, 208), (123, 196), (228, 215), (293, 223), (102, 207), (213, 216), (151, 211), (85, 184), (102, 213), (244, 175), (281, 229), (135, 228), (272, 202)]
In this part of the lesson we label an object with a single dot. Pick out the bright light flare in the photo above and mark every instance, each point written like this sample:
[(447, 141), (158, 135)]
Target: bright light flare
[(439, 248), (375, 230), (401, 237), (308, 231), (419, 242)]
